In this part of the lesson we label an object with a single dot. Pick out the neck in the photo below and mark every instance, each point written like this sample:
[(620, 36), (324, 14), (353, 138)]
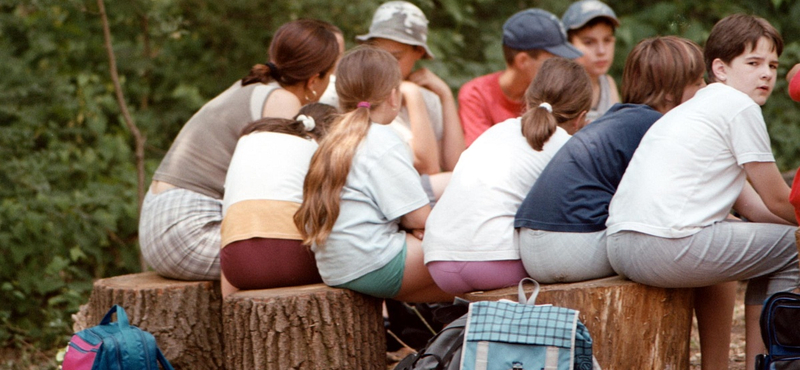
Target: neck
[(514, 83)]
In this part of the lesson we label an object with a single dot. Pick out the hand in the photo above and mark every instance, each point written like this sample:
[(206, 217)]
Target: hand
[(418, 233), (429, 80)]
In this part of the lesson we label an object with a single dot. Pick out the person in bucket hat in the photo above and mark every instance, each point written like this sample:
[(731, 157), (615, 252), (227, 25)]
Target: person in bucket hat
[(529, 38), (590, 27), (429, 114)]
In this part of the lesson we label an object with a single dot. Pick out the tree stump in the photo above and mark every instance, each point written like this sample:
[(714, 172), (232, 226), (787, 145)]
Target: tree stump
[(304, 327), (633, 326), (184, 316)]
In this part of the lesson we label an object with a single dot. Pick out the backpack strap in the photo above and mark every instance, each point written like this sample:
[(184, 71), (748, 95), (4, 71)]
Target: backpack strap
[(163, 360), (523, 299), (122, 317)]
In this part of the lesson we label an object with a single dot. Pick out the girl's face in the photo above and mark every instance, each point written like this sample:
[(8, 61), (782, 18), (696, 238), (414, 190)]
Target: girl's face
[(753, 72), (597, 44)]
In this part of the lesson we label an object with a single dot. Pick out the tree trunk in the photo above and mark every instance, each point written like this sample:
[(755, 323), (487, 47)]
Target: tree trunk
[(633, 326), (305, 327), (184, 316)]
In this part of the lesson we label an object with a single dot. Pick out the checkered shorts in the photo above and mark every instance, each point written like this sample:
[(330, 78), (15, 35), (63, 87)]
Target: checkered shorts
[(179, 234)]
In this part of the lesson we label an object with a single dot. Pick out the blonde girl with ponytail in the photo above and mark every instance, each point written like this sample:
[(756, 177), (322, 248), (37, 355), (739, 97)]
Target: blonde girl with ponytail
[(470, 242), (364, 209)]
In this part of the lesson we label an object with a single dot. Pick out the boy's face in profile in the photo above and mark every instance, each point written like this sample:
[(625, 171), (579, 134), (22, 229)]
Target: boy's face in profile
[(753, 72)]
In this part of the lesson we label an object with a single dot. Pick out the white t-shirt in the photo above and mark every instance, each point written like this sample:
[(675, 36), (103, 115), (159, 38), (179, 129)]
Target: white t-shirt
[(264, 186), (687, 171), (474, 219), (381, 187)]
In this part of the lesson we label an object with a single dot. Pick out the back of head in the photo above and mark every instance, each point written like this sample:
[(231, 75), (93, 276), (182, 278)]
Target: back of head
[(402, 22), (734, 35), (536, 29), (658, 69), (365, 78), (299, 50), (560, 92)]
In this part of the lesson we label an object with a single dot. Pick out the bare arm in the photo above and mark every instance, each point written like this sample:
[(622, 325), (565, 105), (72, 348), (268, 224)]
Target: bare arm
[(423, 140), (415, 220), (452, 143), (751, 207), (281, 104), (771, 188)]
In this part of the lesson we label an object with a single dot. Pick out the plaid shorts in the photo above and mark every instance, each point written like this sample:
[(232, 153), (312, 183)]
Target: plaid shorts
[(179, 234)]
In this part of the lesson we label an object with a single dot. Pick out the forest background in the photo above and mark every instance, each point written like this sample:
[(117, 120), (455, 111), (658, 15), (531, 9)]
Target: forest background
[(68, 175)]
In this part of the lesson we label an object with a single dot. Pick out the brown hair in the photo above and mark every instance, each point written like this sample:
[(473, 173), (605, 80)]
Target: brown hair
[(323, 115), (591, 23), (299, 50), (509, 53), (734, 35), (365, 74), (658, 69), (564, 85)]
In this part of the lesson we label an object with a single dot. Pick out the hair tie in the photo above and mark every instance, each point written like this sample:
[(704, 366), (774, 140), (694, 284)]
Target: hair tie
[(308, 122), (546, 106), (364, 104), (273, 71)]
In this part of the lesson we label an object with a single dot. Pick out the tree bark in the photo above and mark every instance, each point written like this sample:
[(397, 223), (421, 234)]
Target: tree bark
[(633, 326), (184, 316), (305, 327)]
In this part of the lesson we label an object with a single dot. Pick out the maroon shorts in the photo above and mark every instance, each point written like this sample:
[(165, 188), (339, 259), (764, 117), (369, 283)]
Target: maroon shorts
[(260, 263)]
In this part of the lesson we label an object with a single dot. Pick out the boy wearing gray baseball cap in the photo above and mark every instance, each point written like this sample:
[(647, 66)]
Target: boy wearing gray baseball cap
[(529, 38), (429, 114)]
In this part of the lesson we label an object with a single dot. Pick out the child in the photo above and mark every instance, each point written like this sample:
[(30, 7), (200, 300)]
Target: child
[(261, 247), (562, 221), (469, 241), (362, 188), (667, 221), (590, 27)]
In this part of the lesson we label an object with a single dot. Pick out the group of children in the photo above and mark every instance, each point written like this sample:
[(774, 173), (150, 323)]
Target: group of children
[(399, 194)]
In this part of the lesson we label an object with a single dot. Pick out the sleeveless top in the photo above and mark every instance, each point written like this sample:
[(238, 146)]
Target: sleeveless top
[(604, 103), (199, 157)]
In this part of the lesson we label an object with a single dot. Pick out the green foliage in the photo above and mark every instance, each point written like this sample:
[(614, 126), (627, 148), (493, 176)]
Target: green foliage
[(68, 201)]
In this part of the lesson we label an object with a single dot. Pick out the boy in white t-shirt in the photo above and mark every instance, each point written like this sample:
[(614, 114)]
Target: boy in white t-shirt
[(667, 221)]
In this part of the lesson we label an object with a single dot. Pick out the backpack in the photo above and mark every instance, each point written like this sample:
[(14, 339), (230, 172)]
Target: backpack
[(114, 346), (506, 335), (780, 330)]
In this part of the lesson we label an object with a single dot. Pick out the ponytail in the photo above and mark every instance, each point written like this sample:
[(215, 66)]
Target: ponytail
[(560, 92), (365, 79)]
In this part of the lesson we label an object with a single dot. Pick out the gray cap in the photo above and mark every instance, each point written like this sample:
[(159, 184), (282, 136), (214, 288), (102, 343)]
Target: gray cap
[(581, 12), (400, 21), (538, 29)]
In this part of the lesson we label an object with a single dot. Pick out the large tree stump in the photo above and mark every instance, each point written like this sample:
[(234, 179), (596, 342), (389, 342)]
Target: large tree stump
[(633, 326), (304, 327), (184, 316)]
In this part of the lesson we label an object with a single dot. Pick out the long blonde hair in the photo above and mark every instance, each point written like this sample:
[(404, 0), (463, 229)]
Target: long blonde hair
[(565, 86), (365, 78)]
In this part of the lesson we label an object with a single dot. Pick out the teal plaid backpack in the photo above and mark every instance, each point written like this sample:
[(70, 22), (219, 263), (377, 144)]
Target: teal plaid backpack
[(507, 335)]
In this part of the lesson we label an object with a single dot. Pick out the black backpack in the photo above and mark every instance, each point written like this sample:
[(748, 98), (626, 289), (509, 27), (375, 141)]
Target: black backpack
[(443, 351), (780, 330)]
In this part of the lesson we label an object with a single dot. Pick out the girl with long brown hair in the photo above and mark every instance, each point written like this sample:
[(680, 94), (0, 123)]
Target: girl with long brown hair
[(470, 241), (362, 192), (179, 227)]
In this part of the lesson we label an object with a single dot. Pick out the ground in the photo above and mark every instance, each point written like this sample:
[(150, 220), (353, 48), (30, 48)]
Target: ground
[(737, 340)]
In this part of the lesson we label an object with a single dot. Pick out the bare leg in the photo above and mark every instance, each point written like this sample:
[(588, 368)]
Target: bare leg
[(227, 288), (418, 285), (714, 311), (753, 342)]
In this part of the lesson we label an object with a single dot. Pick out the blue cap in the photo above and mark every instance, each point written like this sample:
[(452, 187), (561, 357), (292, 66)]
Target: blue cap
[(538, 29), (581, 12)]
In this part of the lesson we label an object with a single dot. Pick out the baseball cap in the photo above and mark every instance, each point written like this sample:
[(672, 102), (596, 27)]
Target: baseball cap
[(400, 21), (581, 12), (538, 29)]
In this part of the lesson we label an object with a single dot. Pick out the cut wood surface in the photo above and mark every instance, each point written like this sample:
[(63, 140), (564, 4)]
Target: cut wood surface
[(184, 316), (633, 326), (305, 327)]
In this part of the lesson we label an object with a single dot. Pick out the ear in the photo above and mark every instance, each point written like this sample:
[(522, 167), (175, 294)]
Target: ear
[(580, 122), (311, 82), (720, 70), (521, 60)]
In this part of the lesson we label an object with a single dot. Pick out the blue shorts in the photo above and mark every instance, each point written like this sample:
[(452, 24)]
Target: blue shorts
[(384, 282)]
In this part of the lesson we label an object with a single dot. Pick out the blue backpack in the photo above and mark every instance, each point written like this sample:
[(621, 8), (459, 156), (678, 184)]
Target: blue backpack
[(114, 346), (780, 330)]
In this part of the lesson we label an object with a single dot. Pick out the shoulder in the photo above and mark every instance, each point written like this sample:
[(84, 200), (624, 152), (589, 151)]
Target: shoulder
[(281, 104), (478, 84)]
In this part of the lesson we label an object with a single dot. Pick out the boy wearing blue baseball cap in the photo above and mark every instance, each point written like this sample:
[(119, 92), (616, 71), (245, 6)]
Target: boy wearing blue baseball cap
[(529, 38)]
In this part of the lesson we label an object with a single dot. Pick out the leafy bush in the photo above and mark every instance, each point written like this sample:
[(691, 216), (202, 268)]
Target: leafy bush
[(68, 203)]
